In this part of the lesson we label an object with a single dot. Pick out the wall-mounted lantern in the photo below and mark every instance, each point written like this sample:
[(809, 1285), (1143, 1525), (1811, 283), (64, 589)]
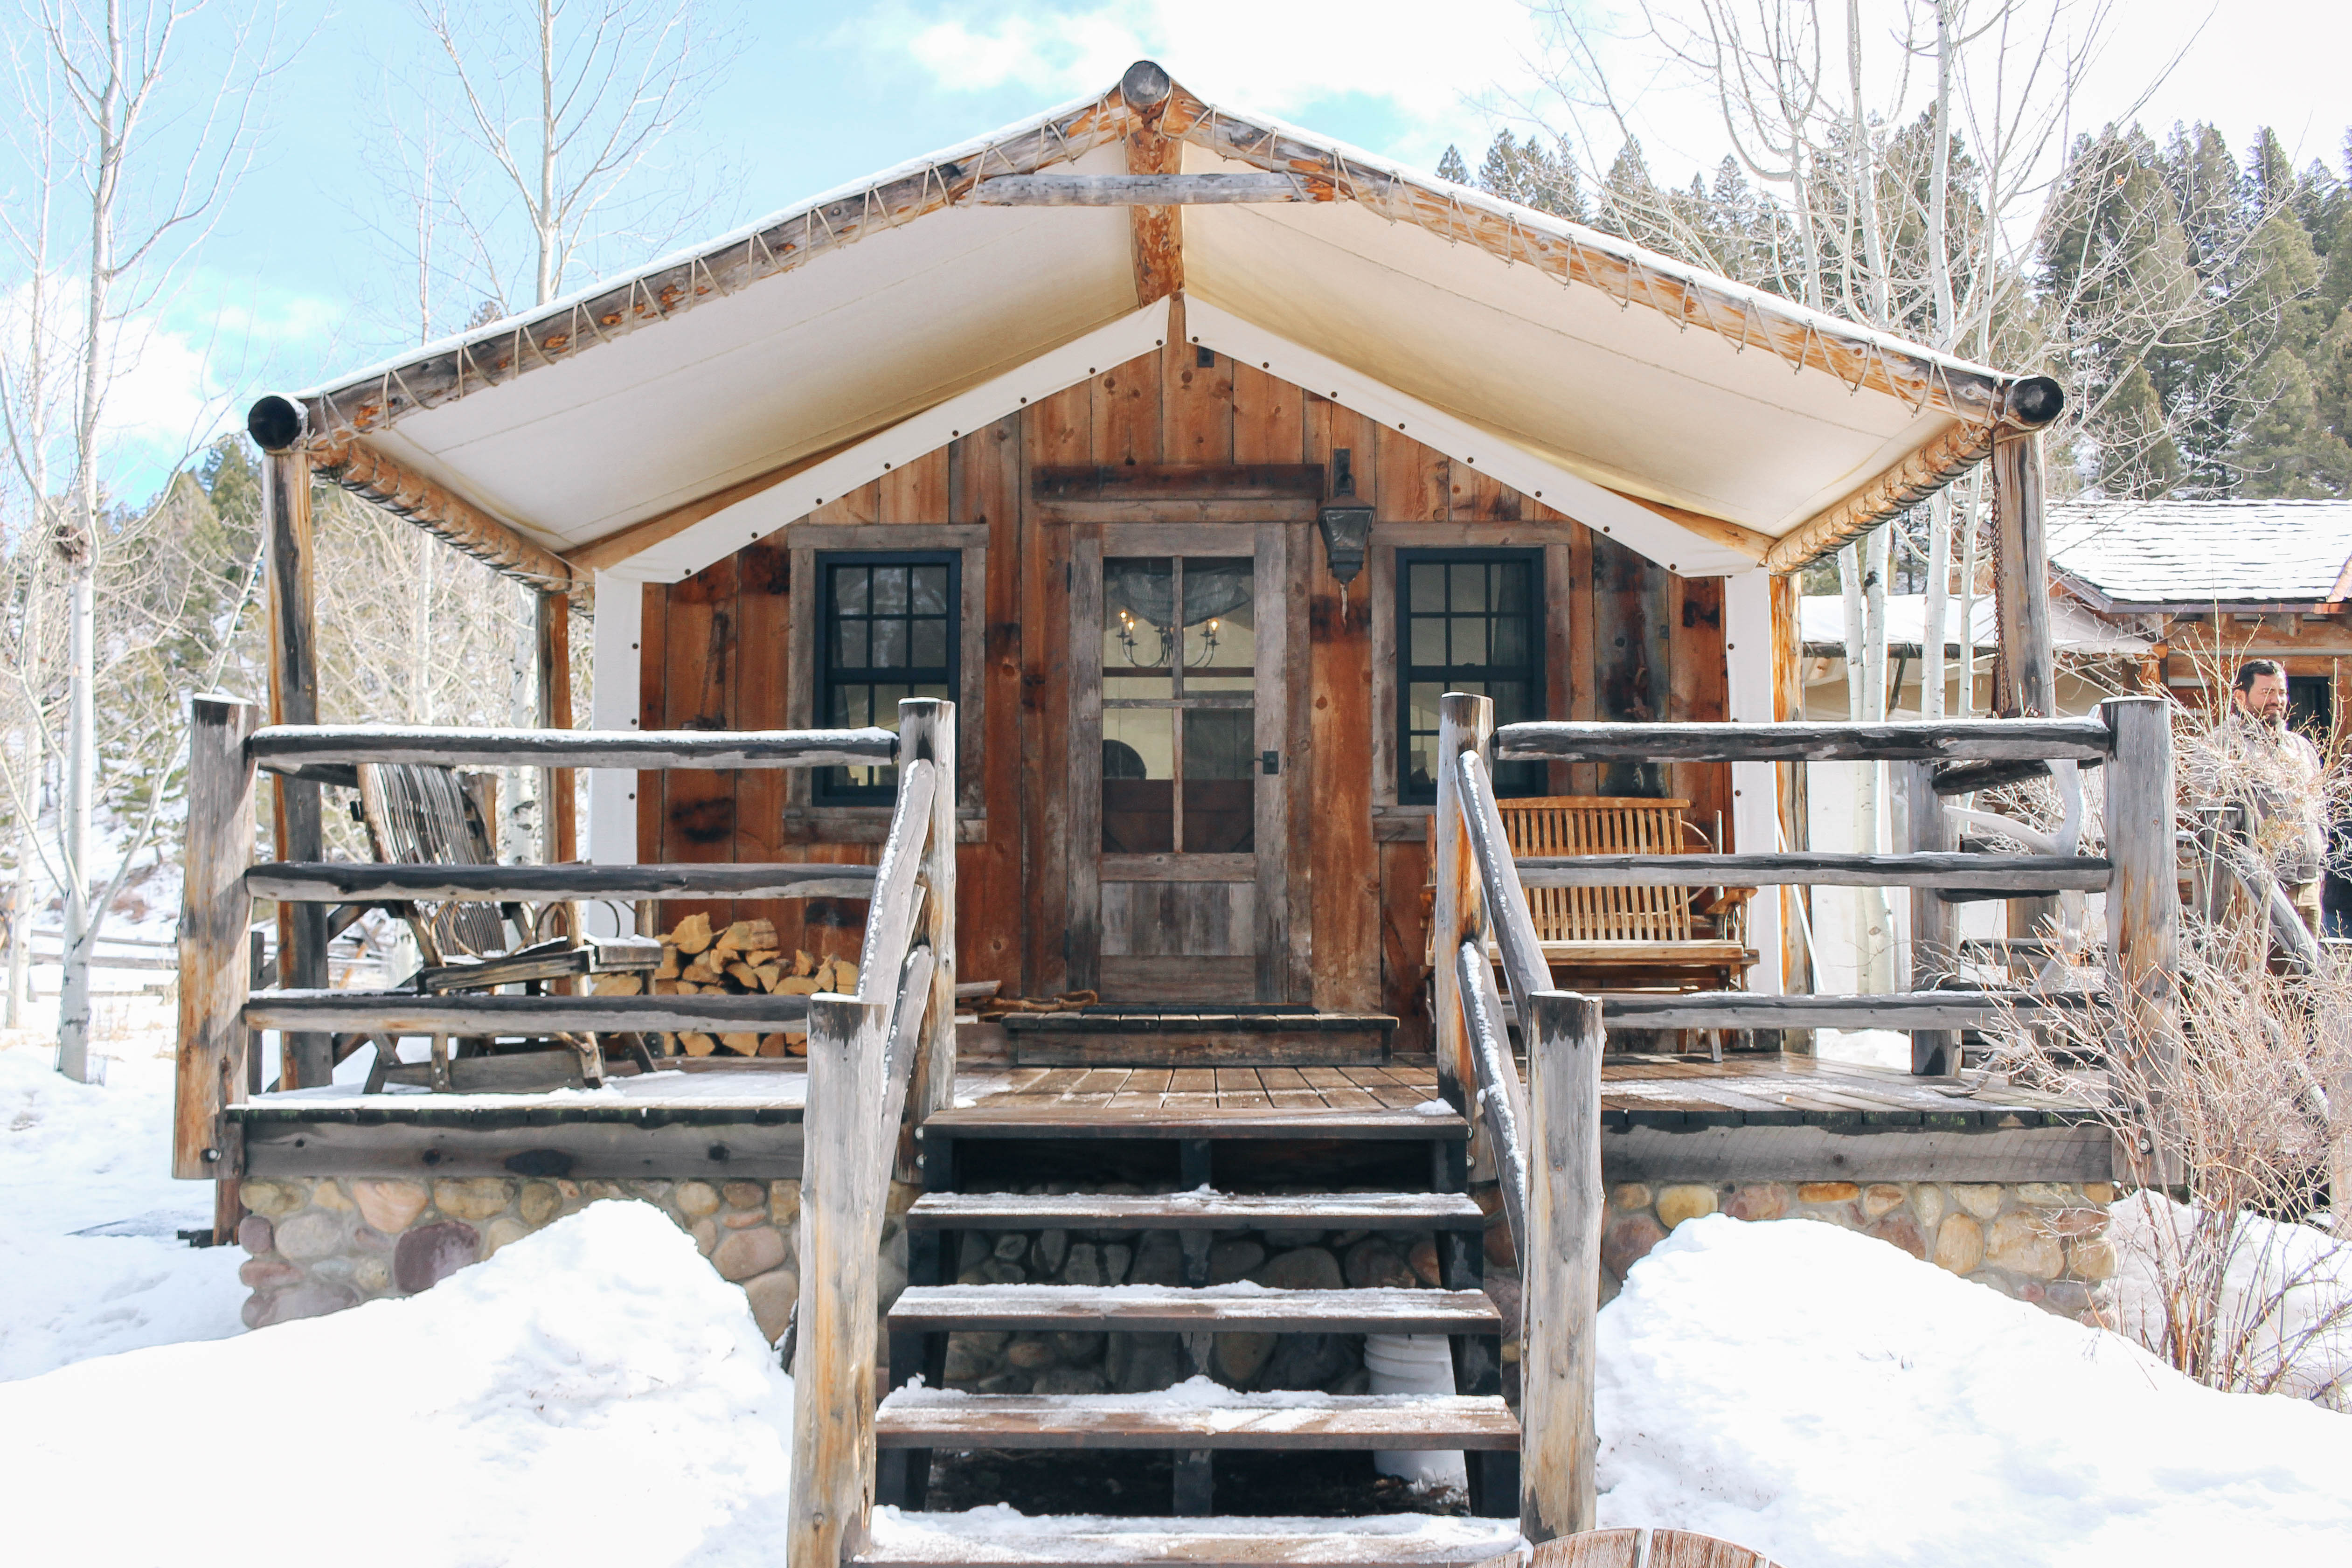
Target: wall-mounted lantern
[(1346, 522)]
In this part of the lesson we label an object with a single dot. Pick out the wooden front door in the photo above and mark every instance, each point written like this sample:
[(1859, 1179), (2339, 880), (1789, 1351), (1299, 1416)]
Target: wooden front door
[(1182, 661)]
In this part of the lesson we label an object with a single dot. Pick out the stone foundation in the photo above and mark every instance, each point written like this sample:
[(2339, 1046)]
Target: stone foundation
[(322, 1244), (2043, 1242)]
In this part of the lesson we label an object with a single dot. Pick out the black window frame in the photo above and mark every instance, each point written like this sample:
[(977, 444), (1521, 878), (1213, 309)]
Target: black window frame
[(1511, 779), (830, 787)]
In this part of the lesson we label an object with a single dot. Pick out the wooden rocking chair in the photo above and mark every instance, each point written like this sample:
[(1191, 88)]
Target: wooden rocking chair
[(419, 813)]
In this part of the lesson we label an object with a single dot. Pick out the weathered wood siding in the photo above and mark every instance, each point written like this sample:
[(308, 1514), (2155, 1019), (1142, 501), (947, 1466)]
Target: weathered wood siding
[(1628, 639)]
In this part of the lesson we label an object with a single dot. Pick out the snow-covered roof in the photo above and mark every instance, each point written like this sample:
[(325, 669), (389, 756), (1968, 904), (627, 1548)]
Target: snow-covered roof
[(1821, 618), (1554, 356), (2122, 554)]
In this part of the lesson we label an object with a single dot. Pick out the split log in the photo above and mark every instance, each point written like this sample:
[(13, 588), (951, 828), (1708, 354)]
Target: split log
[(2020, 876), (364, 1012), (279, 746), (345, 882), (1907, 741)]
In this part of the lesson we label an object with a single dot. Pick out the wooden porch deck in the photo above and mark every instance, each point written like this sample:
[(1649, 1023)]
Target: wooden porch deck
[(1750, 1117)]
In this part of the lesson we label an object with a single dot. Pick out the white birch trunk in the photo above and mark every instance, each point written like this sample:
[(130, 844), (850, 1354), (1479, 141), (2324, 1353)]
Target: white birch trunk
[(1932, 633)]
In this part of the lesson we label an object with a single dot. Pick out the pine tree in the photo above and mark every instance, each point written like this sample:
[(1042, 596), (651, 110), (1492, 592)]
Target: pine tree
[(1451, 167)]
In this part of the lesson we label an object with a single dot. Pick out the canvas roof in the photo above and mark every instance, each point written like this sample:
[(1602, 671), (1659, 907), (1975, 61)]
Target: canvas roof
[(675, 413), (2184, 554)]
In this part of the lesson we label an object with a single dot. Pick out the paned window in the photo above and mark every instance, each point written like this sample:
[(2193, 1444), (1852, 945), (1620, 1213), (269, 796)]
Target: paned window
[(888, 630), (1466, 620)]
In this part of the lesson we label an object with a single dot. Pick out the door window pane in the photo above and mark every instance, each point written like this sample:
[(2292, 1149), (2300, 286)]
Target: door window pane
[(1219, 780), (1138, 781), (1138, 631)]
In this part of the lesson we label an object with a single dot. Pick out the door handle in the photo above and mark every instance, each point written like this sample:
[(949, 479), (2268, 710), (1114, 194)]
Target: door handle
[(1270, 761)]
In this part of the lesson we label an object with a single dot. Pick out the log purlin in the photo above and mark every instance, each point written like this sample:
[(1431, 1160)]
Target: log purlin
[(370, 475)]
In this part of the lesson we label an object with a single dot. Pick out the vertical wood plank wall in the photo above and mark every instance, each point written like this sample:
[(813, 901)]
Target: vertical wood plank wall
[(1634, 642)]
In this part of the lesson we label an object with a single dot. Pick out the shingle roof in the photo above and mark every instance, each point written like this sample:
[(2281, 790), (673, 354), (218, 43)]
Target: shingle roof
[(2191, 553)]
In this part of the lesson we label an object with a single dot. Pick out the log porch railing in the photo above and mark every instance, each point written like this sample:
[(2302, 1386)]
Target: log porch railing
[(1544, 1137), (878, 1060)]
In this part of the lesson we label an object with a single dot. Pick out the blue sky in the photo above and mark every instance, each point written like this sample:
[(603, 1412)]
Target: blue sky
[(293, 285)]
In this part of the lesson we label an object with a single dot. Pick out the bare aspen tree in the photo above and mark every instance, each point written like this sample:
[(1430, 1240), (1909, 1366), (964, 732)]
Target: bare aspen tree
[(30, 405), (143, 200), (557, 112)]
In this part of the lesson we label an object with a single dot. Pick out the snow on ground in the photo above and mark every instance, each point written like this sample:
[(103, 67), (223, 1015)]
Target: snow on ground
[(592, 1395), (1821, 1396), (89, 1261)]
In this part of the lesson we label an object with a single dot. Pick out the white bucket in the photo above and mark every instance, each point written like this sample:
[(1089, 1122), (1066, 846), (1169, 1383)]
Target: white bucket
[(1414, 1363)]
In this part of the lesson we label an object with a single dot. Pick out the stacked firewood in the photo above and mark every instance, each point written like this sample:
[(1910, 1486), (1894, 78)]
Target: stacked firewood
[(742, 960)]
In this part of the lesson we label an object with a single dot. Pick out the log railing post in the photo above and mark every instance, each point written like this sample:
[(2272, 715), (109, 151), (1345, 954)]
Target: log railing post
[(213, 911), (2028, 683), (1563, 1267), (2143, 898), (560, 822), (1926, 830), (927, 729), (306, 1060), (1464, 723), (843, 1180)]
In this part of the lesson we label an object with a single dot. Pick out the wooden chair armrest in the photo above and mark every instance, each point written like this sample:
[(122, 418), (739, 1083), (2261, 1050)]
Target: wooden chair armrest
[(1725, 898)]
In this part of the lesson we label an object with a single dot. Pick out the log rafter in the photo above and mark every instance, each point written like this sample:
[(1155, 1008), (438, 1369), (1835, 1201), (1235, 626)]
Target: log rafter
[(370, 475)]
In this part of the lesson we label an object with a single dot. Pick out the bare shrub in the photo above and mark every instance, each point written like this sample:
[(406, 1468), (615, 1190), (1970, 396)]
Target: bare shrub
[(2233, 1112)]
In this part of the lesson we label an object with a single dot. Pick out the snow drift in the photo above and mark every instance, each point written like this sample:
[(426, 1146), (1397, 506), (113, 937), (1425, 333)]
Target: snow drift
[(90, 1261), (594, 1394), (1823, 1397)]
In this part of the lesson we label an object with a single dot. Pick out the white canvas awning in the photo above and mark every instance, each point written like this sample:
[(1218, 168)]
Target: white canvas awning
[(648, 416)]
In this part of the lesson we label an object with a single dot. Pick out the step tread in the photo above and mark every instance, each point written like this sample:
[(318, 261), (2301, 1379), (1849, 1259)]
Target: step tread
[(1173, 1309), (999, 1536), (996, 1118), (1195, 1416), (1175, 1020), (1196, 1210)]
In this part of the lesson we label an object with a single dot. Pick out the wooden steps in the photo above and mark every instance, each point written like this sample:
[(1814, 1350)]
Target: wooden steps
[(1200, 1210), (907, 1540), (1173, 1308), (1200, 1037), (925, 1418)]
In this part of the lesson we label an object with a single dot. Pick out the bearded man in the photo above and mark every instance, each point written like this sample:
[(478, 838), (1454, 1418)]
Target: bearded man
[(2280, 783)]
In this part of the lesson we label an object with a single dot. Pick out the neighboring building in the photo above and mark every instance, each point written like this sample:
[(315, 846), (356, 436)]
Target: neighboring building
[(2204, 584)]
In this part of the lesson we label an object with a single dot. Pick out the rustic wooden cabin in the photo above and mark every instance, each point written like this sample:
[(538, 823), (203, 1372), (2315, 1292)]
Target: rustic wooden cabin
[(1316, 589)]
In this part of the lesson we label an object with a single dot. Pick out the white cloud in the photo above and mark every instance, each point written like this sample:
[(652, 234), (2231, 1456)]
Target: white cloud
[(168, 382), (1424, 63)]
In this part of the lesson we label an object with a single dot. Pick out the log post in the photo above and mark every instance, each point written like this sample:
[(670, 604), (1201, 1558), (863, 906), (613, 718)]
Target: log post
[(2144, 899), (2028, 683), (1465, 723), (213, 911), (559, 828), (1557, 1359), (307, 1060), (927, 728), (843, 1180), (1926, 829)]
